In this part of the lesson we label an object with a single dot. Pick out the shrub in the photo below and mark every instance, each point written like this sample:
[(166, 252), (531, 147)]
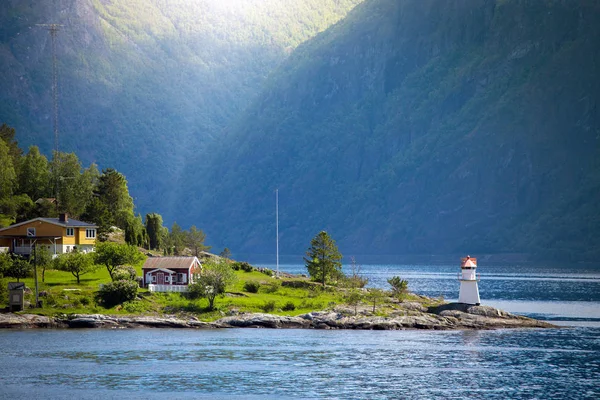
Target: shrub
[(353, 281), (267, 271), (399, 286), (133, 307), (117, 292), (272, 287), (268, 306), (251, 286), (124, 272), (195, 292), (242, 265), (86, 301), (289, 306)]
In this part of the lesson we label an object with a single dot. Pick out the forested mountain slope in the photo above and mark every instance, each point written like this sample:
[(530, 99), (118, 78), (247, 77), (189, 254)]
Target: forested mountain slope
[(145, 84), (421, 126)]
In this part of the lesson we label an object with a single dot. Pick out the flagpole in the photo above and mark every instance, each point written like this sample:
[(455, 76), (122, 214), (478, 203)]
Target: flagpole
[(277, 226)]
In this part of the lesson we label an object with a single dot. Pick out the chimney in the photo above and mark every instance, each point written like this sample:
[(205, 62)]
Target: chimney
[(63, 217)]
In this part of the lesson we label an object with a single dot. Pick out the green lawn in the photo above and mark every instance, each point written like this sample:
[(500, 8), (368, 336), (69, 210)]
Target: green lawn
[(62, 295)]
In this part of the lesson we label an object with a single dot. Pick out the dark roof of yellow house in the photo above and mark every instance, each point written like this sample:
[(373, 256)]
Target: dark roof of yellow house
[(69, 223)]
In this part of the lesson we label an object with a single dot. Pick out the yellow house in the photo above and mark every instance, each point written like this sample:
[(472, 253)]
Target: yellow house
[(59, 235)]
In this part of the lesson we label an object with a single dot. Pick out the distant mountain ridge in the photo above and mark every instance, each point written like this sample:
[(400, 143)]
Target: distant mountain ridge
[(421, 127)]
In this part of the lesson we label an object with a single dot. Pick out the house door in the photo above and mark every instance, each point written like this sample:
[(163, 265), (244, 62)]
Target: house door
[(160, 278)]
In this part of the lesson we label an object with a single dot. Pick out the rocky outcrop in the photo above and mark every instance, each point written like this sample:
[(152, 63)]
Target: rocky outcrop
[(27, 321), (445, 317)]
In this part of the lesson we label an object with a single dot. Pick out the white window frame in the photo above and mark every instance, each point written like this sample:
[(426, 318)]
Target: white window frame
[(30, 232), (72, 231), (90, 234), (153, 280), (167, 278)]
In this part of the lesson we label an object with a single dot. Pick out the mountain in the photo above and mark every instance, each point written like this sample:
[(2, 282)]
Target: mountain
[(144, 85), (420, 127)]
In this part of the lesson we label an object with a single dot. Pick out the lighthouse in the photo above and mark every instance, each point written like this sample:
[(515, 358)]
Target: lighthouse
[(469, 292)]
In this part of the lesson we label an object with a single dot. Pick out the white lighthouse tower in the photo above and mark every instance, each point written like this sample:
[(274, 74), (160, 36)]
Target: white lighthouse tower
[(469, 292)]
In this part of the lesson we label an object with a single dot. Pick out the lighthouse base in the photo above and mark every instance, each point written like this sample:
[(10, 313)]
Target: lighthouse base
[(469, 293)]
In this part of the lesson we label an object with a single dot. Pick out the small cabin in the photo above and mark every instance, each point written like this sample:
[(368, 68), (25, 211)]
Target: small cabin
[(170, 274)]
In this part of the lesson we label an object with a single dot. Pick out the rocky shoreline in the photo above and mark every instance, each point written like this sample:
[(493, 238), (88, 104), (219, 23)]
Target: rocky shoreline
[(452, 316)]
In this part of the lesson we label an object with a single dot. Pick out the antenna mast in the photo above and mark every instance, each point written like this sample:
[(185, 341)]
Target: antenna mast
[(277, 226), (53, 29)]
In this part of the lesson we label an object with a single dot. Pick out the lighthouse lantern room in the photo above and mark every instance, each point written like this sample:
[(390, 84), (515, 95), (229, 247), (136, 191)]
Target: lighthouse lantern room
[(469, 292)]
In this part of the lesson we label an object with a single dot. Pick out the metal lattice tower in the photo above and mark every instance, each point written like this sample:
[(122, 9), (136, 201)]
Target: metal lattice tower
[(53, 29)]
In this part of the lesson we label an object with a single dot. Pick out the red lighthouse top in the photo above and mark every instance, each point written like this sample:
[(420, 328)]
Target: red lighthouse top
[(468, 262)]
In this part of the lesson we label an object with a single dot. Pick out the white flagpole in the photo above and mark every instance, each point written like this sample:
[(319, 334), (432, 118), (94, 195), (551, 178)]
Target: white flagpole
[(277, 225)]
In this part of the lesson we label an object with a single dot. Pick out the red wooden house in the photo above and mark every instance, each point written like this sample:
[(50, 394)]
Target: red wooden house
[(170, 274)]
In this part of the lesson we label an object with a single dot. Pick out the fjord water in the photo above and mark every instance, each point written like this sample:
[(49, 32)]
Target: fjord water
[(262, 363)]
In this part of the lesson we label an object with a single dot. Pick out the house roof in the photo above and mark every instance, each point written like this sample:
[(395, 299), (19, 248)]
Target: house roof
[(170, 262), (168, 271), (70, 223)]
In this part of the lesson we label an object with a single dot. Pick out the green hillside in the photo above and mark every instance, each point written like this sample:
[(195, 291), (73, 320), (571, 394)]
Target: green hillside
[(144, 85), (421, 127)]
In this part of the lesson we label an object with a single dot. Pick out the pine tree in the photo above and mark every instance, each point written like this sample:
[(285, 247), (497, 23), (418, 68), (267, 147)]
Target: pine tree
[(323, 259)]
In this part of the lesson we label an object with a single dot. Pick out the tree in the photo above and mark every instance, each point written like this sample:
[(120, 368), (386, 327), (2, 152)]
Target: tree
[(154, 228), (323, 260), (375, 296), (134, 231), (113, 255), (19, 268), (226, 253), (43, 258), (353, 298), (5, 264), (7, 135), (195, 240), (177, 239), (34, 175), (212, 280), (74, 189), (97, 213), (113, 192), (399, 286), (76, 263), (8, 176)]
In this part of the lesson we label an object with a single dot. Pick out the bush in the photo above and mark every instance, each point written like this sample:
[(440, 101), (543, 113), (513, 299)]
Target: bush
[(272, 287), (251, 286), (289, 306), (124, 273), (195, 292), (86, 301), (243, 266), (133, 307), (267, 271), (268, 306), (399, 286), (117, 292)]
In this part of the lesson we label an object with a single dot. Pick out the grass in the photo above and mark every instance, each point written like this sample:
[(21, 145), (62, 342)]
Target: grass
[(64, 296)]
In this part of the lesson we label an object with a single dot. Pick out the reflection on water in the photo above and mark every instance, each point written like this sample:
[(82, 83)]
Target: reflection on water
[(249, 363)]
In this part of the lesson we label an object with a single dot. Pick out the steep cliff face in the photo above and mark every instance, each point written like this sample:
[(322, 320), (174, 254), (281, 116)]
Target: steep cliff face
[(144, 85), (423, 127)]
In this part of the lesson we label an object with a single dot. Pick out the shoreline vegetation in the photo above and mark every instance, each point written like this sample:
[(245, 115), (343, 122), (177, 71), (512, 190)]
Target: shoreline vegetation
[(257, 299), (101, 289)]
